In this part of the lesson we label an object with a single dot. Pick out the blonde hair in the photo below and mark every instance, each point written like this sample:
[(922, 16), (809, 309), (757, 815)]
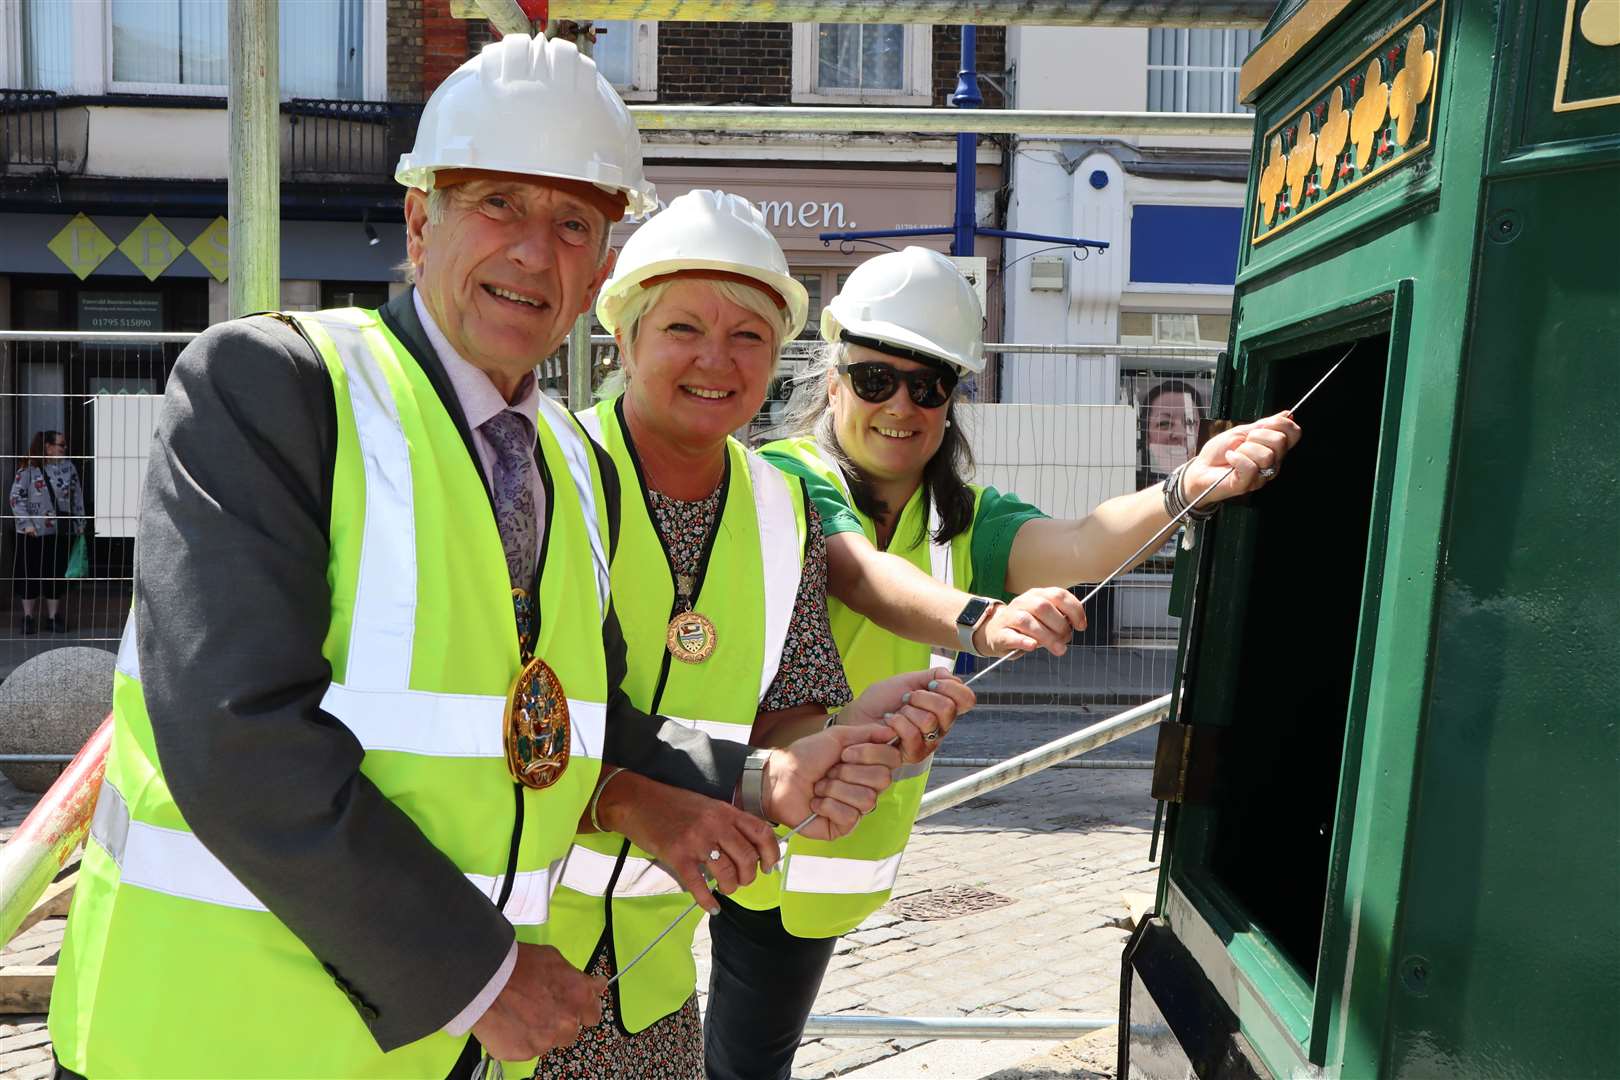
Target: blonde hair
[(641, 301)]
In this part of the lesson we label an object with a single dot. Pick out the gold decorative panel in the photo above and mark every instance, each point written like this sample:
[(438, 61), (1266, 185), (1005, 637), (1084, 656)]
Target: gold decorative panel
[(1589, 56), (1373, 115)]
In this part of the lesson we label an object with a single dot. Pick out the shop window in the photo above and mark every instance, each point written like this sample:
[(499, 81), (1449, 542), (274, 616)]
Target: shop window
[(812, 285), (1196, 70), (626, 51), (887, 63)]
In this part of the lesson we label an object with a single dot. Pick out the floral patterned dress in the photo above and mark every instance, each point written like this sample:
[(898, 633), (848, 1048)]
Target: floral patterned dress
[(811, 673)]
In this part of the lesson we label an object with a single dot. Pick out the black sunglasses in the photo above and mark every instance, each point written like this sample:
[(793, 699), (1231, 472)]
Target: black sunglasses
[(876, 382)]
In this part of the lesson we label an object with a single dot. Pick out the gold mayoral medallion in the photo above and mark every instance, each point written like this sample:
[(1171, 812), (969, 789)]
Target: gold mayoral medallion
[(691, 637), (537, 738)]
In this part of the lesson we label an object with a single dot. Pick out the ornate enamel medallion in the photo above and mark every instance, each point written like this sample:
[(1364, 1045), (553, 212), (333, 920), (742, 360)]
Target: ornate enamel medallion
[(691, 637), (537, 738)]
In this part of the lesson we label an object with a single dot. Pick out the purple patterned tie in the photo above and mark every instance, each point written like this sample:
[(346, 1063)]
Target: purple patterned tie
[(512, 438)]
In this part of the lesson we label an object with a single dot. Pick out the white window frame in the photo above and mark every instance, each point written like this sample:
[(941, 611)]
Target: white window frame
[(1182, 68), (643, 84), (92, 54), (918, 66)]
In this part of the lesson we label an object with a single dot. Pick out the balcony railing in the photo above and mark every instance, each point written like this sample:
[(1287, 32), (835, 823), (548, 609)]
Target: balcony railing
[(28, 134), (329, 140)]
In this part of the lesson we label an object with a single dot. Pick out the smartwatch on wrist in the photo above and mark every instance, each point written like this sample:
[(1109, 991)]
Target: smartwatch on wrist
[(968, 621)]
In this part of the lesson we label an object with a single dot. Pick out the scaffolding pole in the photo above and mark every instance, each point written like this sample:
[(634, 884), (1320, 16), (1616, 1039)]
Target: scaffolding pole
[(1208, 13), (847, 121), (253, 216), (1042, 757)]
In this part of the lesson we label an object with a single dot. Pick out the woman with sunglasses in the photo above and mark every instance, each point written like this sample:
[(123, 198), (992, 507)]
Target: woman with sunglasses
[(719, 581), (873, 431)]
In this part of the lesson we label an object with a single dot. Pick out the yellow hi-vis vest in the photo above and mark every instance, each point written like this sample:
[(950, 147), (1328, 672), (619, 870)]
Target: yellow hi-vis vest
[(825, 888), (171, 966), (746, 585)]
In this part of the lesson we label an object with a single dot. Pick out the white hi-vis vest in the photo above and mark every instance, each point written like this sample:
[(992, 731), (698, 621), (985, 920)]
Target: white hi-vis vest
[(171, 967), (747, 586), (826, 888)]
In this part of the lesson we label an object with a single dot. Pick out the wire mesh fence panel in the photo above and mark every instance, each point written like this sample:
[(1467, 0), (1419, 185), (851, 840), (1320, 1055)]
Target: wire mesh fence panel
[(76, 418), (1143, 417)]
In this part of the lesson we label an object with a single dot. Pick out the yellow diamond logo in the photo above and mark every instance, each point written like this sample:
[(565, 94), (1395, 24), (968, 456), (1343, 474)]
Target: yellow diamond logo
[(152, 247), (212, 248), (81, 245)]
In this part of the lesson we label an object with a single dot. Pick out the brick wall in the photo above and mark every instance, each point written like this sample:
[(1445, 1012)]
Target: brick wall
[(990, 58), (444, 43), (705, 62), (719, 62), (405, 50)]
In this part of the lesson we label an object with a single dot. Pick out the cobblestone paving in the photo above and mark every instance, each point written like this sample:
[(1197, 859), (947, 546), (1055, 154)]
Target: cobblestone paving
[(1065, 846)]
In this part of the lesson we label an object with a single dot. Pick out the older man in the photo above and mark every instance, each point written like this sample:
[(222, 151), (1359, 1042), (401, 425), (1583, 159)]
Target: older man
[(372, 671)]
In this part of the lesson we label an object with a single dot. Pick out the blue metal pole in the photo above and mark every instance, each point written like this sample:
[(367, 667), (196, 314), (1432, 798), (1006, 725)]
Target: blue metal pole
[(967, 146)]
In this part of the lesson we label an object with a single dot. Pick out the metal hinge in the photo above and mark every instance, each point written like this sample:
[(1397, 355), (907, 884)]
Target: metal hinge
[(1186, 762)]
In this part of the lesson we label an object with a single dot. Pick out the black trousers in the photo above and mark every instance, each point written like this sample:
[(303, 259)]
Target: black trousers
[(38, 566), (761, 986)]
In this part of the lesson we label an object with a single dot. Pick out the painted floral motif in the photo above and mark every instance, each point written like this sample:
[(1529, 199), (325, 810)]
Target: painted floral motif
[(1410, 85), (1367, 118), (1271, 179), (1301, 160), (1367, 121), (1331, 138), (1600, 22)]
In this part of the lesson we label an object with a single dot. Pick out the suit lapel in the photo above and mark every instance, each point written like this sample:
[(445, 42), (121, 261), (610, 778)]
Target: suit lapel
[(399, 314)]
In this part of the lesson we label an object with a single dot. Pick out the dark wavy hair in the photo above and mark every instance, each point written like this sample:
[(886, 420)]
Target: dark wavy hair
[(809, 413), (36, 448)]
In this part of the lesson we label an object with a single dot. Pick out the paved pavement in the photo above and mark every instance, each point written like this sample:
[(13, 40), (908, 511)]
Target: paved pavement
[(1057, 852)]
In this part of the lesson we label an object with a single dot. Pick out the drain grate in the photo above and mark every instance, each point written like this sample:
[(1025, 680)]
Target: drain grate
[(946, 903)]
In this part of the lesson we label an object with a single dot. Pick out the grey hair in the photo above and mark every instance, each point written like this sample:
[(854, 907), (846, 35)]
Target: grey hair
[(642, 301)]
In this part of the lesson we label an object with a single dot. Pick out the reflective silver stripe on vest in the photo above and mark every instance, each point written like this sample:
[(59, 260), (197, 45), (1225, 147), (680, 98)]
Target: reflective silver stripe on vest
[(780, 549), (588, 871), (821, 874), (717, 729), (448, 725), (383, 629), (175, 863), (129, 660), (579, 469)]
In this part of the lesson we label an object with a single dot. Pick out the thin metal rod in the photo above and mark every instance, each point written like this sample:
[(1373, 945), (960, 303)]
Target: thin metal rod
[(579, 364), (1211, 13), (100, 337), (939, 121), (16, 759), (1032, 761), (941, 762), (1196, 353), (957, 1027), (1158, 537)]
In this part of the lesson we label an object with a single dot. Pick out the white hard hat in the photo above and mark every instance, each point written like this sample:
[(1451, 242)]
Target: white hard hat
[(535, 107), (910, 301), (705, 233)]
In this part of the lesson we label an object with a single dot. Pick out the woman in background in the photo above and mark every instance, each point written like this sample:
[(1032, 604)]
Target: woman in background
[(47, 506)]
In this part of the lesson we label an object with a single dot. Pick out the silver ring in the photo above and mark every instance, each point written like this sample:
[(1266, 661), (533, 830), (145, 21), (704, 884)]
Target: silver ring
[(1267, 474), (932, 736), (714, 855)]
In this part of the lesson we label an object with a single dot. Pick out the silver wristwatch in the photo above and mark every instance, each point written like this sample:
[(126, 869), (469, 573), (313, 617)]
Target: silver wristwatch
[(751, 790)]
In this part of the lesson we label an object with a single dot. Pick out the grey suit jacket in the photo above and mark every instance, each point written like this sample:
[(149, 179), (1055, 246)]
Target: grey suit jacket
[(232, 607)]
